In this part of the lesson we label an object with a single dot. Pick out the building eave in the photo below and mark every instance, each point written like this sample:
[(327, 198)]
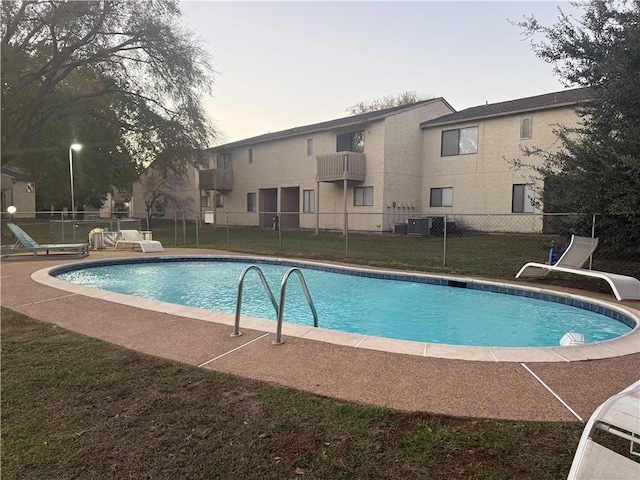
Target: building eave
[(343, 123)]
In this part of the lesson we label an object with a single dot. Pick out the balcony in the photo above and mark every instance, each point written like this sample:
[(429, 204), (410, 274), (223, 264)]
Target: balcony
[(333, 167), (216, 179)]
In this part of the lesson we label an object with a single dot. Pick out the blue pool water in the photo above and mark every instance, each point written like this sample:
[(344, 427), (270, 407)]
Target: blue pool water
[(407, 310)]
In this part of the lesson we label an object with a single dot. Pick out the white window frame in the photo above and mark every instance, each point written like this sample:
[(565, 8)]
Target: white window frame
[(219, 200), (251, 204), (308, 201), (466, 141), (363, 196), (350, 141), (159, 205), (522, 198), (526, 128), (223, 161), (445, 194), (205, 200)]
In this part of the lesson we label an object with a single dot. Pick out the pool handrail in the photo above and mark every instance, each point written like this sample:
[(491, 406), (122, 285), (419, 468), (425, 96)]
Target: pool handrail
[(236, 328), (283, 287)]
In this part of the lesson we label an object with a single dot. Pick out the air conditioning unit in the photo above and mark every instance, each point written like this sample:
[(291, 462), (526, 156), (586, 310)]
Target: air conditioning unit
[(419, 226)]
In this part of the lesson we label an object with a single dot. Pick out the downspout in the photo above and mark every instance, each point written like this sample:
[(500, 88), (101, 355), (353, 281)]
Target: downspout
[(317, 207), (345, 167), (344, 228)]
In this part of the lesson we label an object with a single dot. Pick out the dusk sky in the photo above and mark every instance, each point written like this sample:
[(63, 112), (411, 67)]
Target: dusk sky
[(286, 64)]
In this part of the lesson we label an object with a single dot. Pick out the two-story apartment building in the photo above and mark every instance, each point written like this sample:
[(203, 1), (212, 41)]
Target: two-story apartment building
[(467, 168), (355, 164), (407, 161)]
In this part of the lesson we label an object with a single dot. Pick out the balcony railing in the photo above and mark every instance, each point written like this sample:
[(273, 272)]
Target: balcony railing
[(216, 179), (341, 166)]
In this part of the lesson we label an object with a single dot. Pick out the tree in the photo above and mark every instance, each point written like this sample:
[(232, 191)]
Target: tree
[(160, 187), (597, 170), (404, 98), (120, 76)]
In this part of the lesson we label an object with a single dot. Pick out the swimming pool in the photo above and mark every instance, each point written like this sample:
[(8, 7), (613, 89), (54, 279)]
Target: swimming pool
[(376, 303)]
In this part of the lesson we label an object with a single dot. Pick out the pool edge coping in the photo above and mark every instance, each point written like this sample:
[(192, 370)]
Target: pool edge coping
[(626, 344)]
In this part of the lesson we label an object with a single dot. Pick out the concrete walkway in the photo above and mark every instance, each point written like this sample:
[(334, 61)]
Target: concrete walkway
[(544, 391)]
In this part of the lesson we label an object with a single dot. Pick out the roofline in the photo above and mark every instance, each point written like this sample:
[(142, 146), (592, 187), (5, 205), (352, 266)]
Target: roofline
[(335, 124), (435, 123), (517, 111)]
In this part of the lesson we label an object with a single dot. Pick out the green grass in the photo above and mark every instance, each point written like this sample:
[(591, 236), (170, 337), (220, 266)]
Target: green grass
[(465, 253), (486, 255), (74, 407)]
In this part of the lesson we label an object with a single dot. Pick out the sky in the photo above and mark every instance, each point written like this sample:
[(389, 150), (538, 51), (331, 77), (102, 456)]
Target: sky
[(281, 65)]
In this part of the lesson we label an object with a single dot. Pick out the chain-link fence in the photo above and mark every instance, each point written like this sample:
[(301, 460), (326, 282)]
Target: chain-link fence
[(486, 245), (60, 227)]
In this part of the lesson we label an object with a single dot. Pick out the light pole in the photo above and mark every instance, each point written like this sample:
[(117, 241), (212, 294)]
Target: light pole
[(77, 147)]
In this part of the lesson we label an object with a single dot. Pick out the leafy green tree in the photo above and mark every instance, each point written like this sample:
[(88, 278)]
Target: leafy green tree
[(403, 98), (597, 170), (122, 77)]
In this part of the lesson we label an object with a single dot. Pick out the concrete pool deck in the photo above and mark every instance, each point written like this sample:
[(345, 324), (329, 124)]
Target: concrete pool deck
[(525, 389)]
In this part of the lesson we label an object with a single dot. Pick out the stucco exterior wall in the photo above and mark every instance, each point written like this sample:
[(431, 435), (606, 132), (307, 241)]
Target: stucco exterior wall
[(402, 188), (20, 194), (392, 147), (483, 182)]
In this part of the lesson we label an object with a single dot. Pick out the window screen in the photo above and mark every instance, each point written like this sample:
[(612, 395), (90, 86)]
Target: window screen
[(363, 196), (441, 197), (308, 200), (460, 141), (525, 127), (251, 202)]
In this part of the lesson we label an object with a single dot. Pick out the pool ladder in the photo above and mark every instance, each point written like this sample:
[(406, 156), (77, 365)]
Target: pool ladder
[(279, 308)]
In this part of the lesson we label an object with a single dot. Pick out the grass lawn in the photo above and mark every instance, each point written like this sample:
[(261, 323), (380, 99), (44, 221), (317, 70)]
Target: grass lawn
[(75, 407)]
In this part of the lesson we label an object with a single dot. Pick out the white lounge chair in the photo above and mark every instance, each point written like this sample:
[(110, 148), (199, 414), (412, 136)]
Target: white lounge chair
[(133, 238), (575, 256), (619, 415)]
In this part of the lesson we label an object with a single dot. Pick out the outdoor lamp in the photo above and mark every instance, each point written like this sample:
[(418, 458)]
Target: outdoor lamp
[(77, 147)]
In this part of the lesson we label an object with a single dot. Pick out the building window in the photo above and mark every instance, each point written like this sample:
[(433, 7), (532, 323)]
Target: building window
[(219, 200), (309, 147), (223, 161), (251, 155), (461, 141), (159, 205), (525, 128), (441, 197), (251, 202), (362, 196), (308, 201), (350, 142), (204, 200), (523, 198)]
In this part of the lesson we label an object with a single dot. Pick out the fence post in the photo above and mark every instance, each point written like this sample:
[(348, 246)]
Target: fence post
[(346, 235), (279, 230), (444, 241), (228, 230), (197, 228), (184, 228), (593, 234)]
